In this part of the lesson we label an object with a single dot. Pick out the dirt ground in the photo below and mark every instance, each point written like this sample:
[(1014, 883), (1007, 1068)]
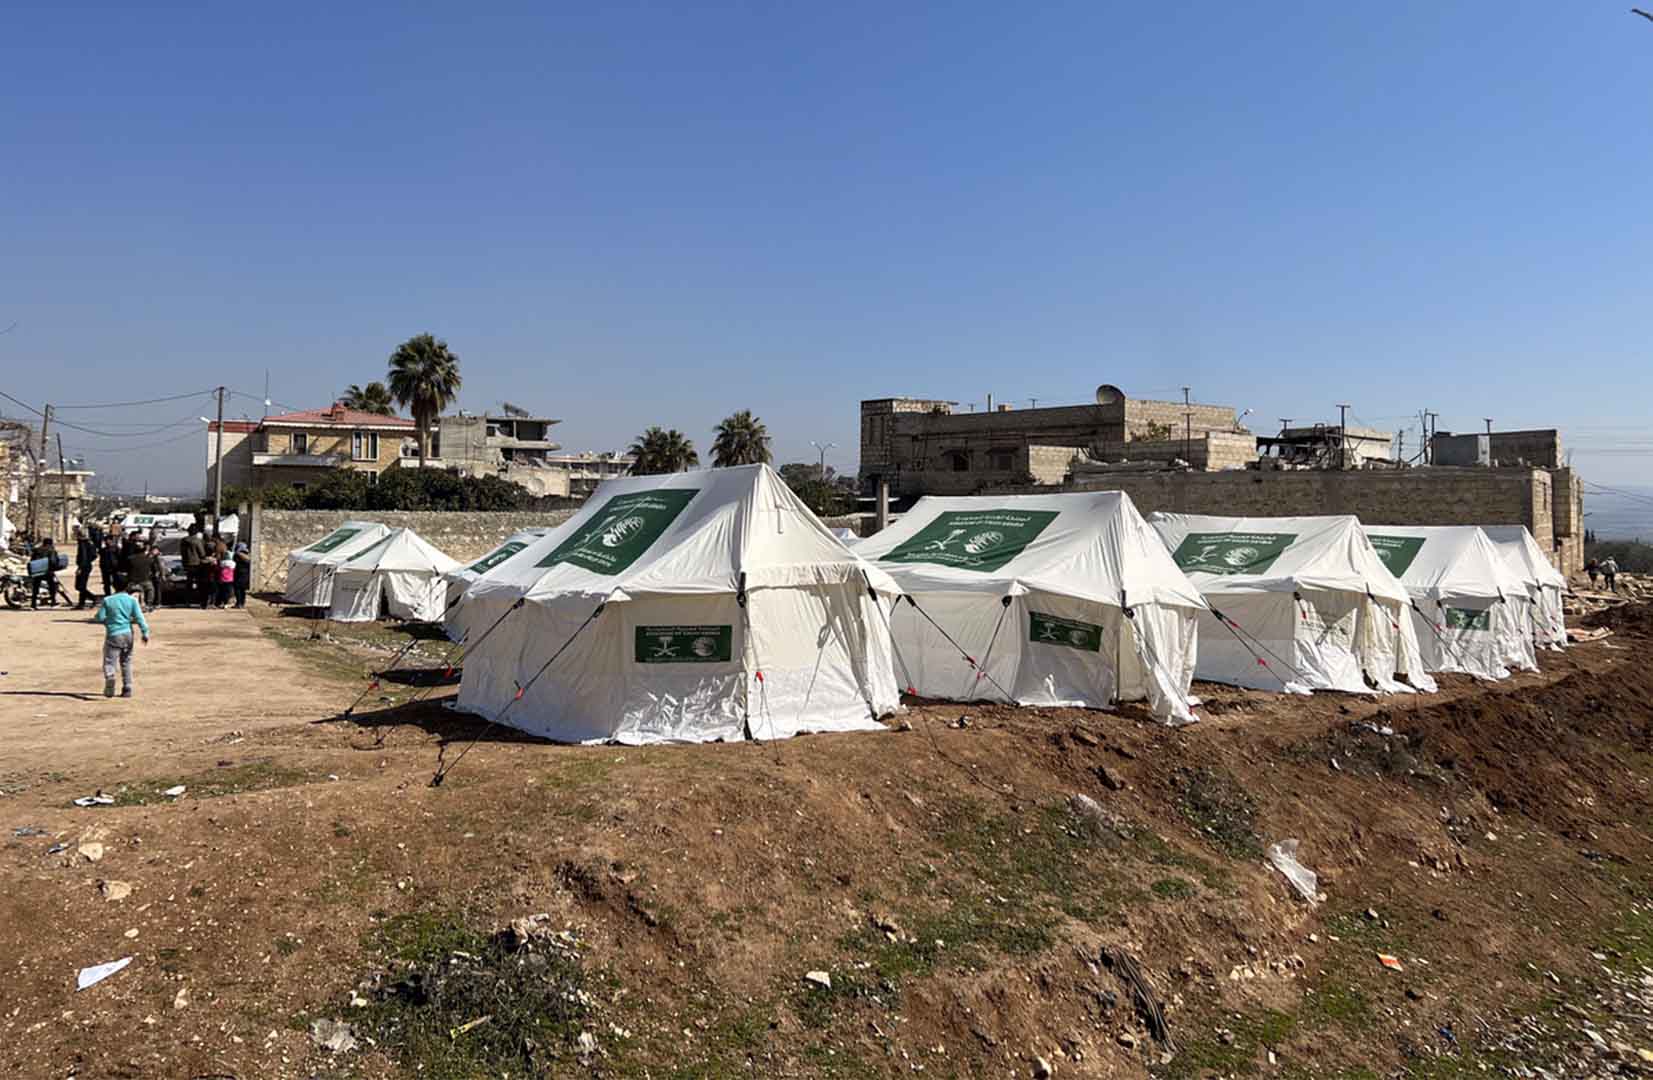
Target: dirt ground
[(969, 915)]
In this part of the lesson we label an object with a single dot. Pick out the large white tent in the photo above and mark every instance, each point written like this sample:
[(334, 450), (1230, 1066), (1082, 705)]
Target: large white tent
[(1297, 604), (1472, 613), (1044, 599), (689, 607), (310, 569), (401, 575), (461, 578), (1545, 583)]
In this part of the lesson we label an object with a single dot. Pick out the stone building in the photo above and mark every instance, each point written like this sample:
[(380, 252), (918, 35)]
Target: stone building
[(300, 448), (923, 446)]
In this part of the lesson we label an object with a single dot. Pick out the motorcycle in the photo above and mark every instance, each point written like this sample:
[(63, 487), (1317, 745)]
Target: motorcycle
[(15, 588)]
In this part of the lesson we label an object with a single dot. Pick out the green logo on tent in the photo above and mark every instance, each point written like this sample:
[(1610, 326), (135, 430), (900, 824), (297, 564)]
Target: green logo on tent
[(1231, 552), (1472, 619), (496, 556), (973, 539), (1397, 552), (617, 535), (328, 543), (1050, 630), (684, 644)]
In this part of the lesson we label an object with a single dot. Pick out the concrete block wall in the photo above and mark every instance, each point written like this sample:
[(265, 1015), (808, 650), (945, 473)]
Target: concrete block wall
[(1435, 496), (1048, 464), (465, 536), (1177, 416), (1212, 450)]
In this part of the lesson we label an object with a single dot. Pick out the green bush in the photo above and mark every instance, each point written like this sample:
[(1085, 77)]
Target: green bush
[(397, 489)]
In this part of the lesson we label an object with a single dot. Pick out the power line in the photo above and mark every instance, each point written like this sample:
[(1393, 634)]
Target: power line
[(127, 404)]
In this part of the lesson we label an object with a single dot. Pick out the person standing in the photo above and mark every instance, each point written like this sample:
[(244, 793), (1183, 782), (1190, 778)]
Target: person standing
[(109, 564), (45, 550), (194, 553), (86, 557), (140, 575), (1592, 568), (243, 574), (1610, 571), (224, 572), (118, 614)]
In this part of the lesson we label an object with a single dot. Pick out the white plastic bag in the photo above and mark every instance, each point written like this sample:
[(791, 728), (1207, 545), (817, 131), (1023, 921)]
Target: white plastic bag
[(1283, 857)]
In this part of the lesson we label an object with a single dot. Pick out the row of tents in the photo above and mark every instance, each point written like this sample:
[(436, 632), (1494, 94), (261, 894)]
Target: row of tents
[(715, 605)]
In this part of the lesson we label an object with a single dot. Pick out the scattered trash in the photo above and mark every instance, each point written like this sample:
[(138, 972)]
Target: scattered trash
[(962, 722), (29, 830), (469, 1025), (174, 792), (97, 798), (1390, 962), (1358, 725), (114, 890), (586, 1046), (333, 1036), (819, 978), (1042, 1069), (91, 851), (91, 976), (1130, 972), (1283, 857), (62, 845)]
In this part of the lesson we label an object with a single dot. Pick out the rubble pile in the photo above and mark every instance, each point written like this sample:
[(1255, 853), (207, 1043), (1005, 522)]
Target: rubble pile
[(1632, 589)]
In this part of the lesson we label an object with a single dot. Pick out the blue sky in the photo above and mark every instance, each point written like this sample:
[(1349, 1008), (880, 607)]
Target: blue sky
[(626, 214)]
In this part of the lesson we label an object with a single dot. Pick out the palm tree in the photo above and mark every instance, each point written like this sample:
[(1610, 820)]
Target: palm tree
[(424, 376), (372, 398), (660, 451), (741, 440)]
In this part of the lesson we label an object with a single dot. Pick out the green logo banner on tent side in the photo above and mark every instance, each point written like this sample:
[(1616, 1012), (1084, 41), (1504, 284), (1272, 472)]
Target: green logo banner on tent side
[(1050, 630), (328, 543), (1397, 552), (1230, 552), (1472, 619), (495, 557), (684, 644), (982, 540), (617, 535)]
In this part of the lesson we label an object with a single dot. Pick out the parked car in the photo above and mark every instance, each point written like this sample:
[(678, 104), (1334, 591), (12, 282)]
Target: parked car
[(172, 558)]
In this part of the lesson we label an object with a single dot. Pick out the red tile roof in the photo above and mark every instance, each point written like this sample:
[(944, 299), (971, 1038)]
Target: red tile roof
[(339, 416), (242, 426)]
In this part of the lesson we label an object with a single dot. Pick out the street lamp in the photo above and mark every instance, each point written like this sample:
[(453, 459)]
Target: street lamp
[(823, 448)]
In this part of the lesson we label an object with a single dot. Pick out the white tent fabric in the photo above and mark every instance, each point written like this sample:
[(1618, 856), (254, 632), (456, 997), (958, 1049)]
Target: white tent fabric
[(400, 575), (461, 578), (1545, 583), (310, 569), (689, 607), (1297, 604), (1060, 599), (1472, 613)]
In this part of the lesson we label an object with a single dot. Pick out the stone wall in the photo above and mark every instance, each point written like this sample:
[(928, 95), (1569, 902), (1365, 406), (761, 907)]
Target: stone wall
[(1211, 450), (465, 536), (1433, 496)]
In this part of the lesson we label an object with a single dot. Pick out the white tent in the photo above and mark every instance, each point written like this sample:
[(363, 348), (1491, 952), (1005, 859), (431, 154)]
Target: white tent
[(310, 569), (1472, 613), (401, 575), (1297, 604), (461, 578), (689, 607), (1545, 583), (1044, 599)]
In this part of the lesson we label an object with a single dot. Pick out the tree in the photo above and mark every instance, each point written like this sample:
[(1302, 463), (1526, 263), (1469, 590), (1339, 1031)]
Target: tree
[(741, 440), (424, 377), (372, 398), (828, 495), (660, 451)]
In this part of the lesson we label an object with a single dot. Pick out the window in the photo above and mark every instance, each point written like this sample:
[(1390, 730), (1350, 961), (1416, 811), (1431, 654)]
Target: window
[(364, 445), (301, 442), (956, 460), (1001, 460)]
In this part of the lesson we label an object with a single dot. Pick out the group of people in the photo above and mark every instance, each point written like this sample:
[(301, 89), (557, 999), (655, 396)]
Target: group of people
[(1607, 568), (131, 561)]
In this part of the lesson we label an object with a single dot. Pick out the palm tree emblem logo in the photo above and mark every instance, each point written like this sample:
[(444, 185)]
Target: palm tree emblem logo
[(984, 541), (1241, 556), (622, 530)]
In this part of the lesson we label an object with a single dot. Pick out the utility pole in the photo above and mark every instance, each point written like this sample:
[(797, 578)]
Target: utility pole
[(1342, 435), (63, 486), (1429, 432), (1033, 403), (1187, 430), (34, 481), (218, 468)]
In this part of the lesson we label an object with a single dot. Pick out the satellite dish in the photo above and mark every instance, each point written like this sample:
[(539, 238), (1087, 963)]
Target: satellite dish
[(1109, 395)]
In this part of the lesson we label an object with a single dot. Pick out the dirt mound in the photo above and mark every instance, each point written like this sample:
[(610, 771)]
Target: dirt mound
[(1632, 619)]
